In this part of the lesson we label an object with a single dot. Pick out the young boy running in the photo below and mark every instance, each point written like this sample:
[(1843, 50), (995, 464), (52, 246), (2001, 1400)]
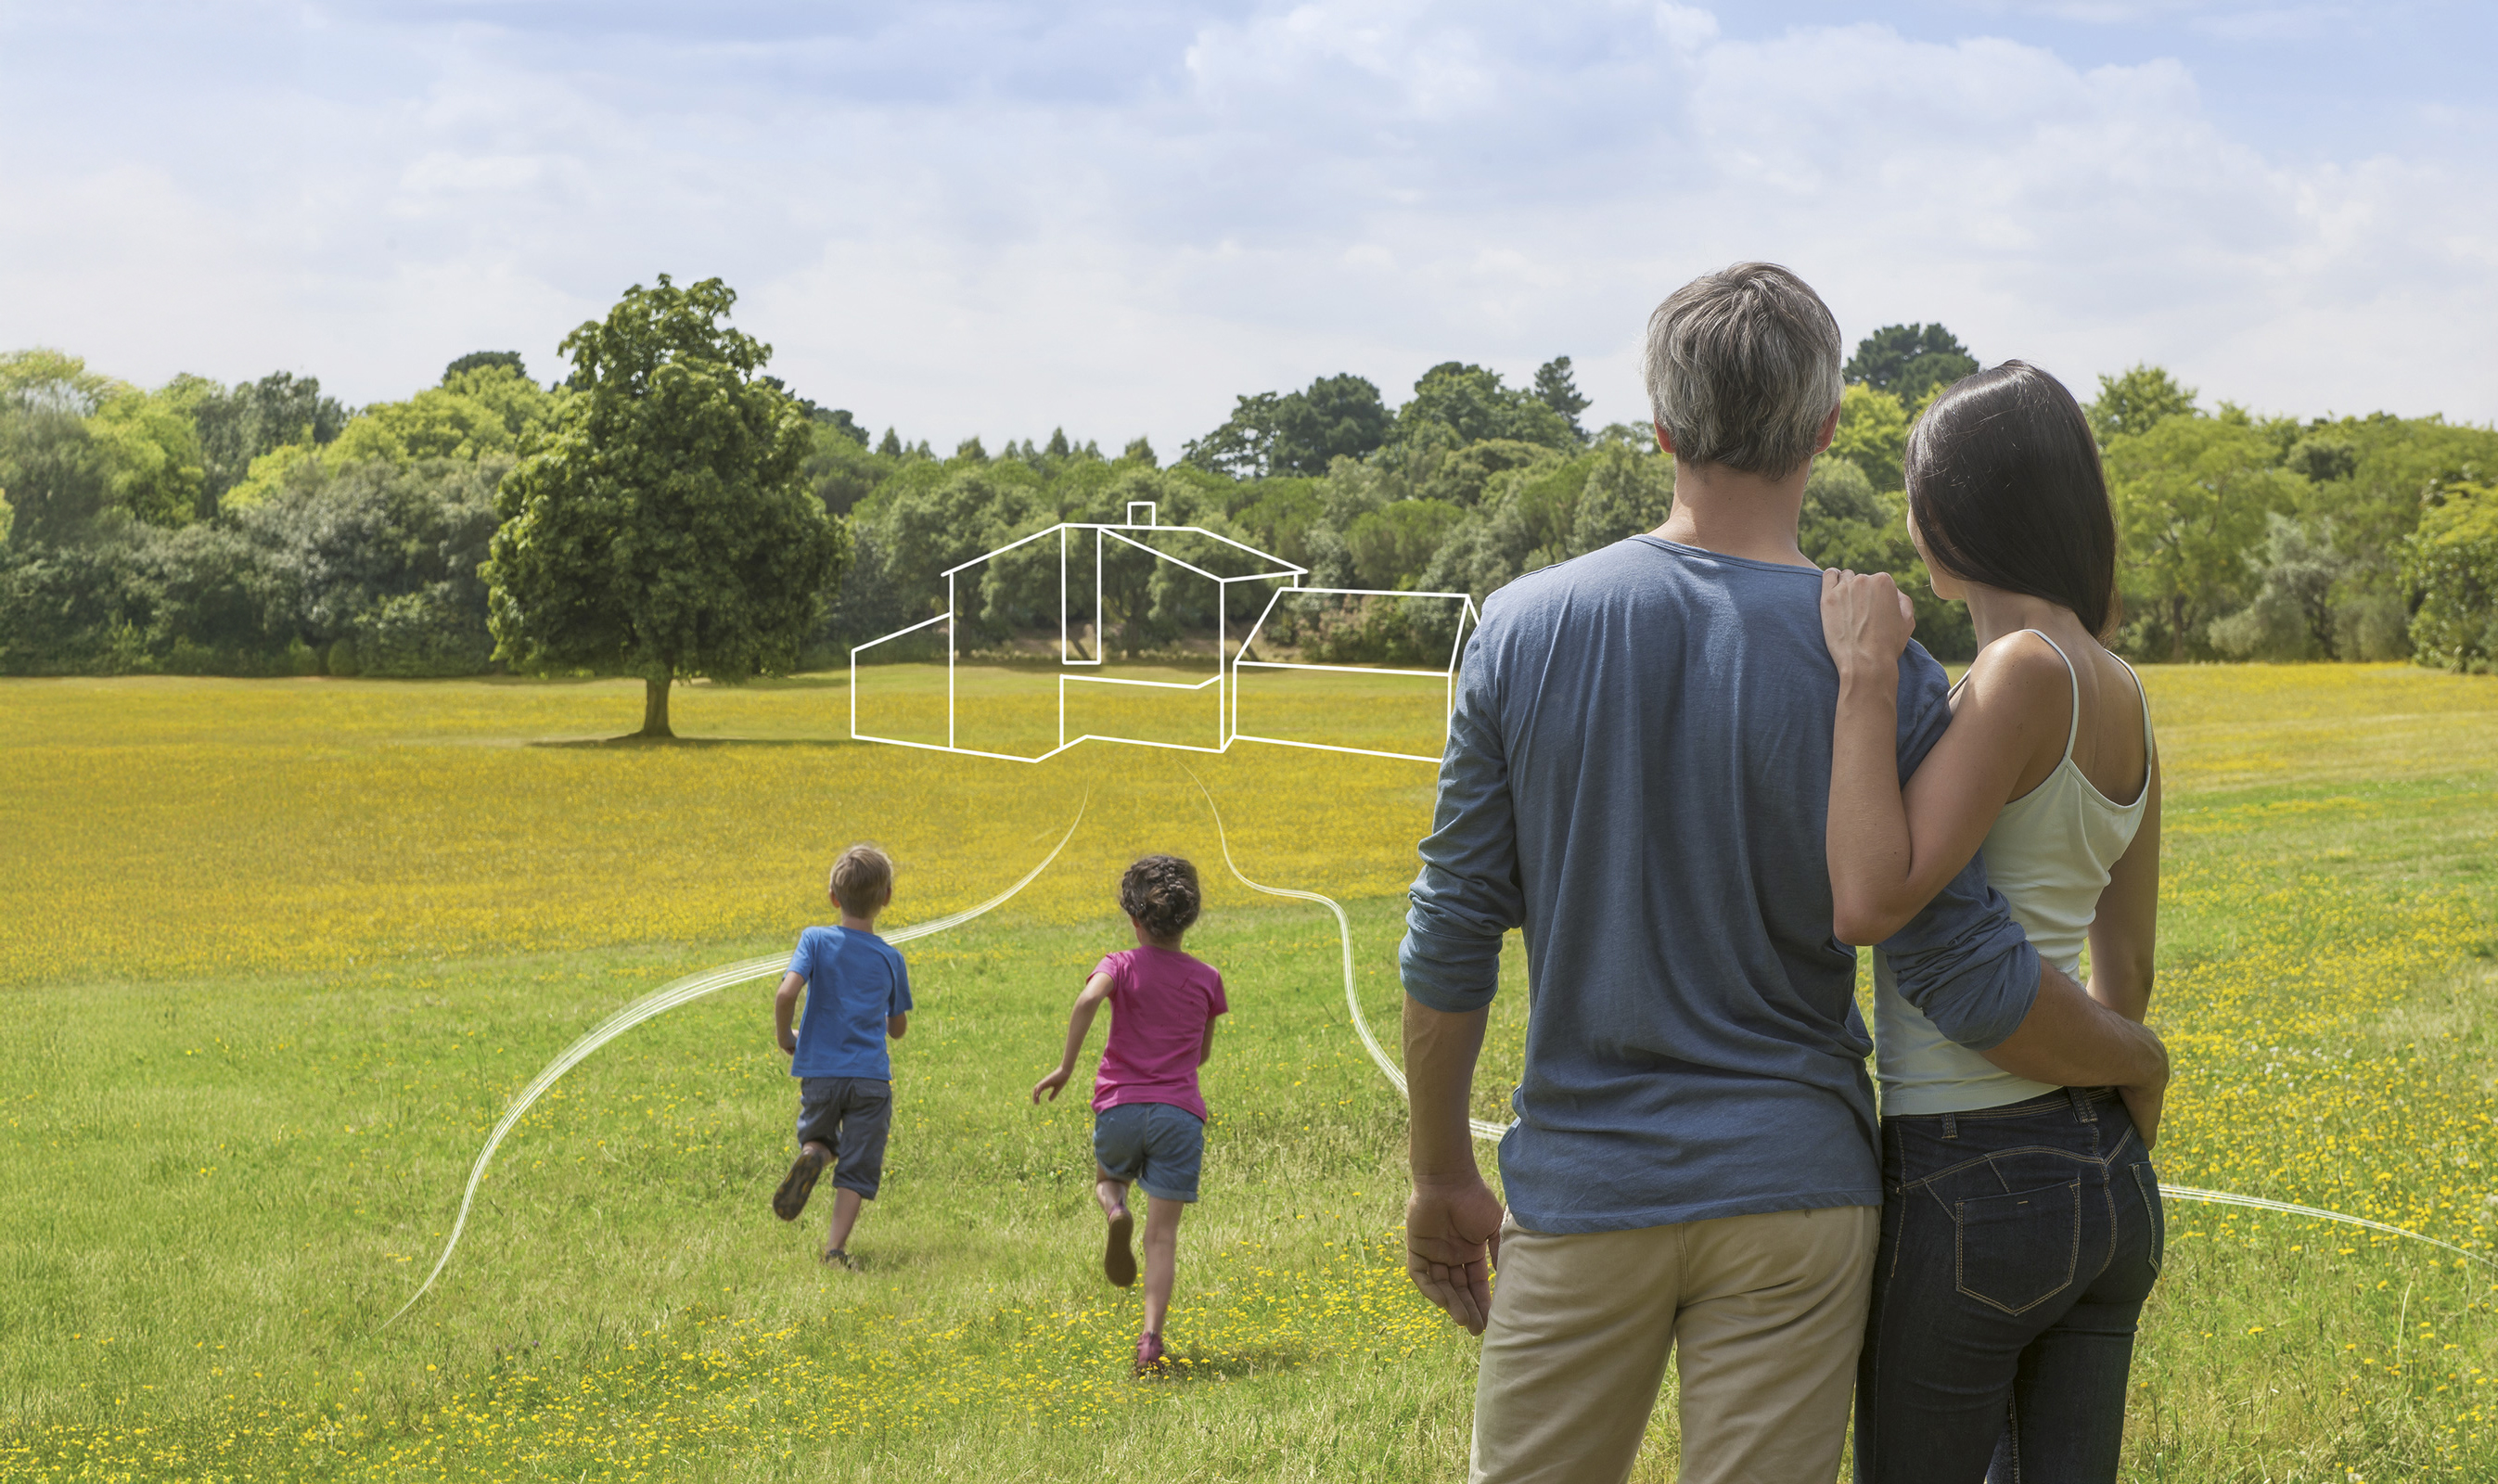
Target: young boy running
[(858, 996), (1148, 1118)]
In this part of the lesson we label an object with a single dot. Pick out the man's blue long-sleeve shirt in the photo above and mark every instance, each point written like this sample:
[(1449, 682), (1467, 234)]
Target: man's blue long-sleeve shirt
[(1638, 774)]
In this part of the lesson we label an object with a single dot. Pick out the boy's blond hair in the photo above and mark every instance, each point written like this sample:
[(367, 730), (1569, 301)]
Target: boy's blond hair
[(862, 880)]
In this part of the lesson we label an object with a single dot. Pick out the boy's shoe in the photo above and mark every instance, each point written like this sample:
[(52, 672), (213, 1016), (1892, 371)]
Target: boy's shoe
[(791, 1198), (1149, 1354), (835, 1257), (1118, 1261)]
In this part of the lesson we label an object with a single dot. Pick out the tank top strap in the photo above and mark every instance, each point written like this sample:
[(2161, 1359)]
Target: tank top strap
[(2141, 699), (2072, 677)]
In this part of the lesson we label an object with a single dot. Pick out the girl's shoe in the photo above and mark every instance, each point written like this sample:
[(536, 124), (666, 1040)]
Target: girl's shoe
[(1118, 1260), (1149, 1354)]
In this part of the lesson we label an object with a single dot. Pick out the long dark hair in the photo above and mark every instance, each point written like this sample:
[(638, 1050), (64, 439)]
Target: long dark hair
[(2004, 479)]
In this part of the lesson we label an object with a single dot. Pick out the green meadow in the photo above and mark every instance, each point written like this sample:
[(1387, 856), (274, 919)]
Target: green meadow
[(277, 953)]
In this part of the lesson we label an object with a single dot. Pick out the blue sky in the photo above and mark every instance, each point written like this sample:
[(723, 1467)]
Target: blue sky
[(959, 219)]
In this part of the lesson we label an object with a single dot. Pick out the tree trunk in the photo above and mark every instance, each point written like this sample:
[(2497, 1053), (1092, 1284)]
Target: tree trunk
[(654, 706)]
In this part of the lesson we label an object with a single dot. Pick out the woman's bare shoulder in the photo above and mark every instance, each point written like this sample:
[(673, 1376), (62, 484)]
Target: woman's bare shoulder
[(2019, 670)]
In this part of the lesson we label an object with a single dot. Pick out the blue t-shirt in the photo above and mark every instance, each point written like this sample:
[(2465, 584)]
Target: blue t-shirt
[(1638, 773), (854, 979)]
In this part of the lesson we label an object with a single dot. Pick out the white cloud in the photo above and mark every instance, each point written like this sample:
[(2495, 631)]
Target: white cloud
[(1684, 27), (960, 220)]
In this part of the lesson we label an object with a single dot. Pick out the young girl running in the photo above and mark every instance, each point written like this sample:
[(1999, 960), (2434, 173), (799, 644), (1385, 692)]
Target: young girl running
[(2021, 1222), (1148, 1117)]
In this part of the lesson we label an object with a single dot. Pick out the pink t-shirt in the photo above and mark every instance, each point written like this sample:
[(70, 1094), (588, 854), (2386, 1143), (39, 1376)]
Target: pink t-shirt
[(1160, 1000)]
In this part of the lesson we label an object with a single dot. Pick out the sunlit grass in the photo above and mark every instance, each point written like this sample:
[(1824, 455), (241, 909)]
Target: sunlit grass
[(293, 827), (279, 951)]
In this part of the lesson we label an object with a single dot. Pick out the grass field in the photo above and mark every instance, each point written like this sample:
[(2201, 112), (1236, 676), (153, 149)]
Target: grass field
[(276, 953)]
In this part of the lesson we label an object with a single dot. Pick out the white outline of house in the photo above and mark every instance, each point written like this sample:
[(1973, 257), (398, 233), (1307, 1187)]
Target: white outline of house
[(1227, 662)]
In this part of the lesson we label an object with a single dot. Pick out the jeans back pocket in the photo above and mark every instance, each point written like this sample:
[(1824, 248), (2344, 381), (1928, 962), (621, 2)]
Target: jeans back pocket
[(2147, 1180), (2015, 1251)]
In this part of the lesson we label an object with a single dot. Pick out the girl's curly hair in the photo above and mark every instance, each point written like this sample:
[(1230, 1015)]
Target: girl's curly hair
[(1160, 891)]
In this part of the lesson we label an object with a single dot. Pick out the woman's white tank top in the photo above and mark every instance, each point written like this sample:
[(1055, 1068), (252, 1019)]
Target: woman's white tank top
[(2050, 853)]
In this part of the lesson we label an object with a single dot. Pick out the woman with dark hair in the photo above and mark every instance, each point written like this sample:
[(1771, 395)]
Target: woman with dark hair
[(2021, 1222)]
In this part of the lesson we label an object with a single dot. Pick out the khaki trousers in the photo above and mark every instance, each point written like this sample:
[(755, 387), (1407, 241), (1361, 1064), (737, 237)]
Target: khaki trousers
[(1767, 1312)]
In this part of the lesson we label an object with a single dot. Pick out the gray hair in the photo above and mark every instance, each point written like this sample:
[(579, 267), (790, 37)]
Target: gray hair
[(1743, 368)]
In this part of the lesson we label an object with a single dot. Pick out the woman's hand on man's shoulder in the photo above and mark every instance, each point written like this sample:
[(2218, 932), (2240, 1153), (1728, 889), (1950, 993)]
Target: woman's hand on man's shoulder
[(1866, 620)]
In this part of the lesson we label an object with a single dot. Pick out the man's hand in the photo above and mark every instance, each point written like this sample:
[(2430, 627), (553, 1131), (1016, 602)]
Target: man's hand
[(1452, 1244), (1865, 620), (1051, 1083), (789, 1042)]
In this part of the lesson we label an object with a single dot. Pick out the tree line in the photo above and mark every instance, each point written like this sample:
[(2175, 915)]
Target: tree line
[(667, 508)]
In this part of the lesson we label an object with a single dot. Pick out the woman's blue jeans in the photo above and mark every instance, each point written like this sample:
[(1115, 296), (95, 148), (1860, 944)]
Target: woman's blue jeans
[(2018, 1244)]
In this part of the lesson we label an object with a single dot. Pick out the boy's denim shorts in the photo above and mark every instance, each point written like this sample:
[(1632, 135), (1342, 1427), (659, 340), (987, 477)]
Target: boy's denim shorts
[(850, 1115), (1157, 1146)]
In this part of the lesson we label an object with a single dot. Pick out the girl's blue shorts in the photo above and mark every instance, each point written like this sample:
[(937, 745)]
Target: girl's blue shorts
[(1156, 1145)]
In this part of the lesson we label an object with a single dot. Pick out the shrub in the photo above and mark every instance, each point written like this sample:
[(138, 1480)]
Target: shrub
[(1393, 544), (2292, 615), (1382, 630), (2372, 625), (74, 611), (2453, 568), (430, 631)]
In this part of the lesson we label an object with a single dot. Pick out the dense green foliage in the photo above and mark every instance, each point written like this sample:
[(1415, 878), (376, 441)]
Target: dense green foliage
[(1295, 433), (2244, 536), (2454, 566), (2136, 399), (663, 530), (1909, 362)]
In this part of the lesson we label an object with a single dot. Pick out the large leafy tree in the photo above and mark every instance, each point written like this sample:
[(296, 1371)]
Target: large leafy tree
[(241, 423), (1295, 433), (1244, 446), (2193, 495), (1462, 403), (55, 474), (150, 452), (1333, 417), (665, 531), (479, 359), (1872, 433), (1909, 361), (1558, 389), (2137, 402), (491, 408)]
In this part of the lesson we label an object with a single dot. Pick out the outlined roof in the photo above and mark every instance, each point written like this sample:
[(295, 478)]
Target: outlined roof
[(1206, 556)]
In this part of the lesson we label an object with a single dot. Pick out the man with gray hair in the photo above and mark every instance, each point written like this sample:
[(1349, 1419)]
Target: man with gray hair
[(1638, 774)]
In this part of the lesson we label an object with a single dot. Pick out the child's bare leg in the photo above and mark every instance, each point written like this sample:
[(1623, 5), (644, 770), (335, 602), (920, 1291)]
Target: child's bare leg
[(1111, 1192), (1118, 1260), (846, 1214), (1162, 1256)]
